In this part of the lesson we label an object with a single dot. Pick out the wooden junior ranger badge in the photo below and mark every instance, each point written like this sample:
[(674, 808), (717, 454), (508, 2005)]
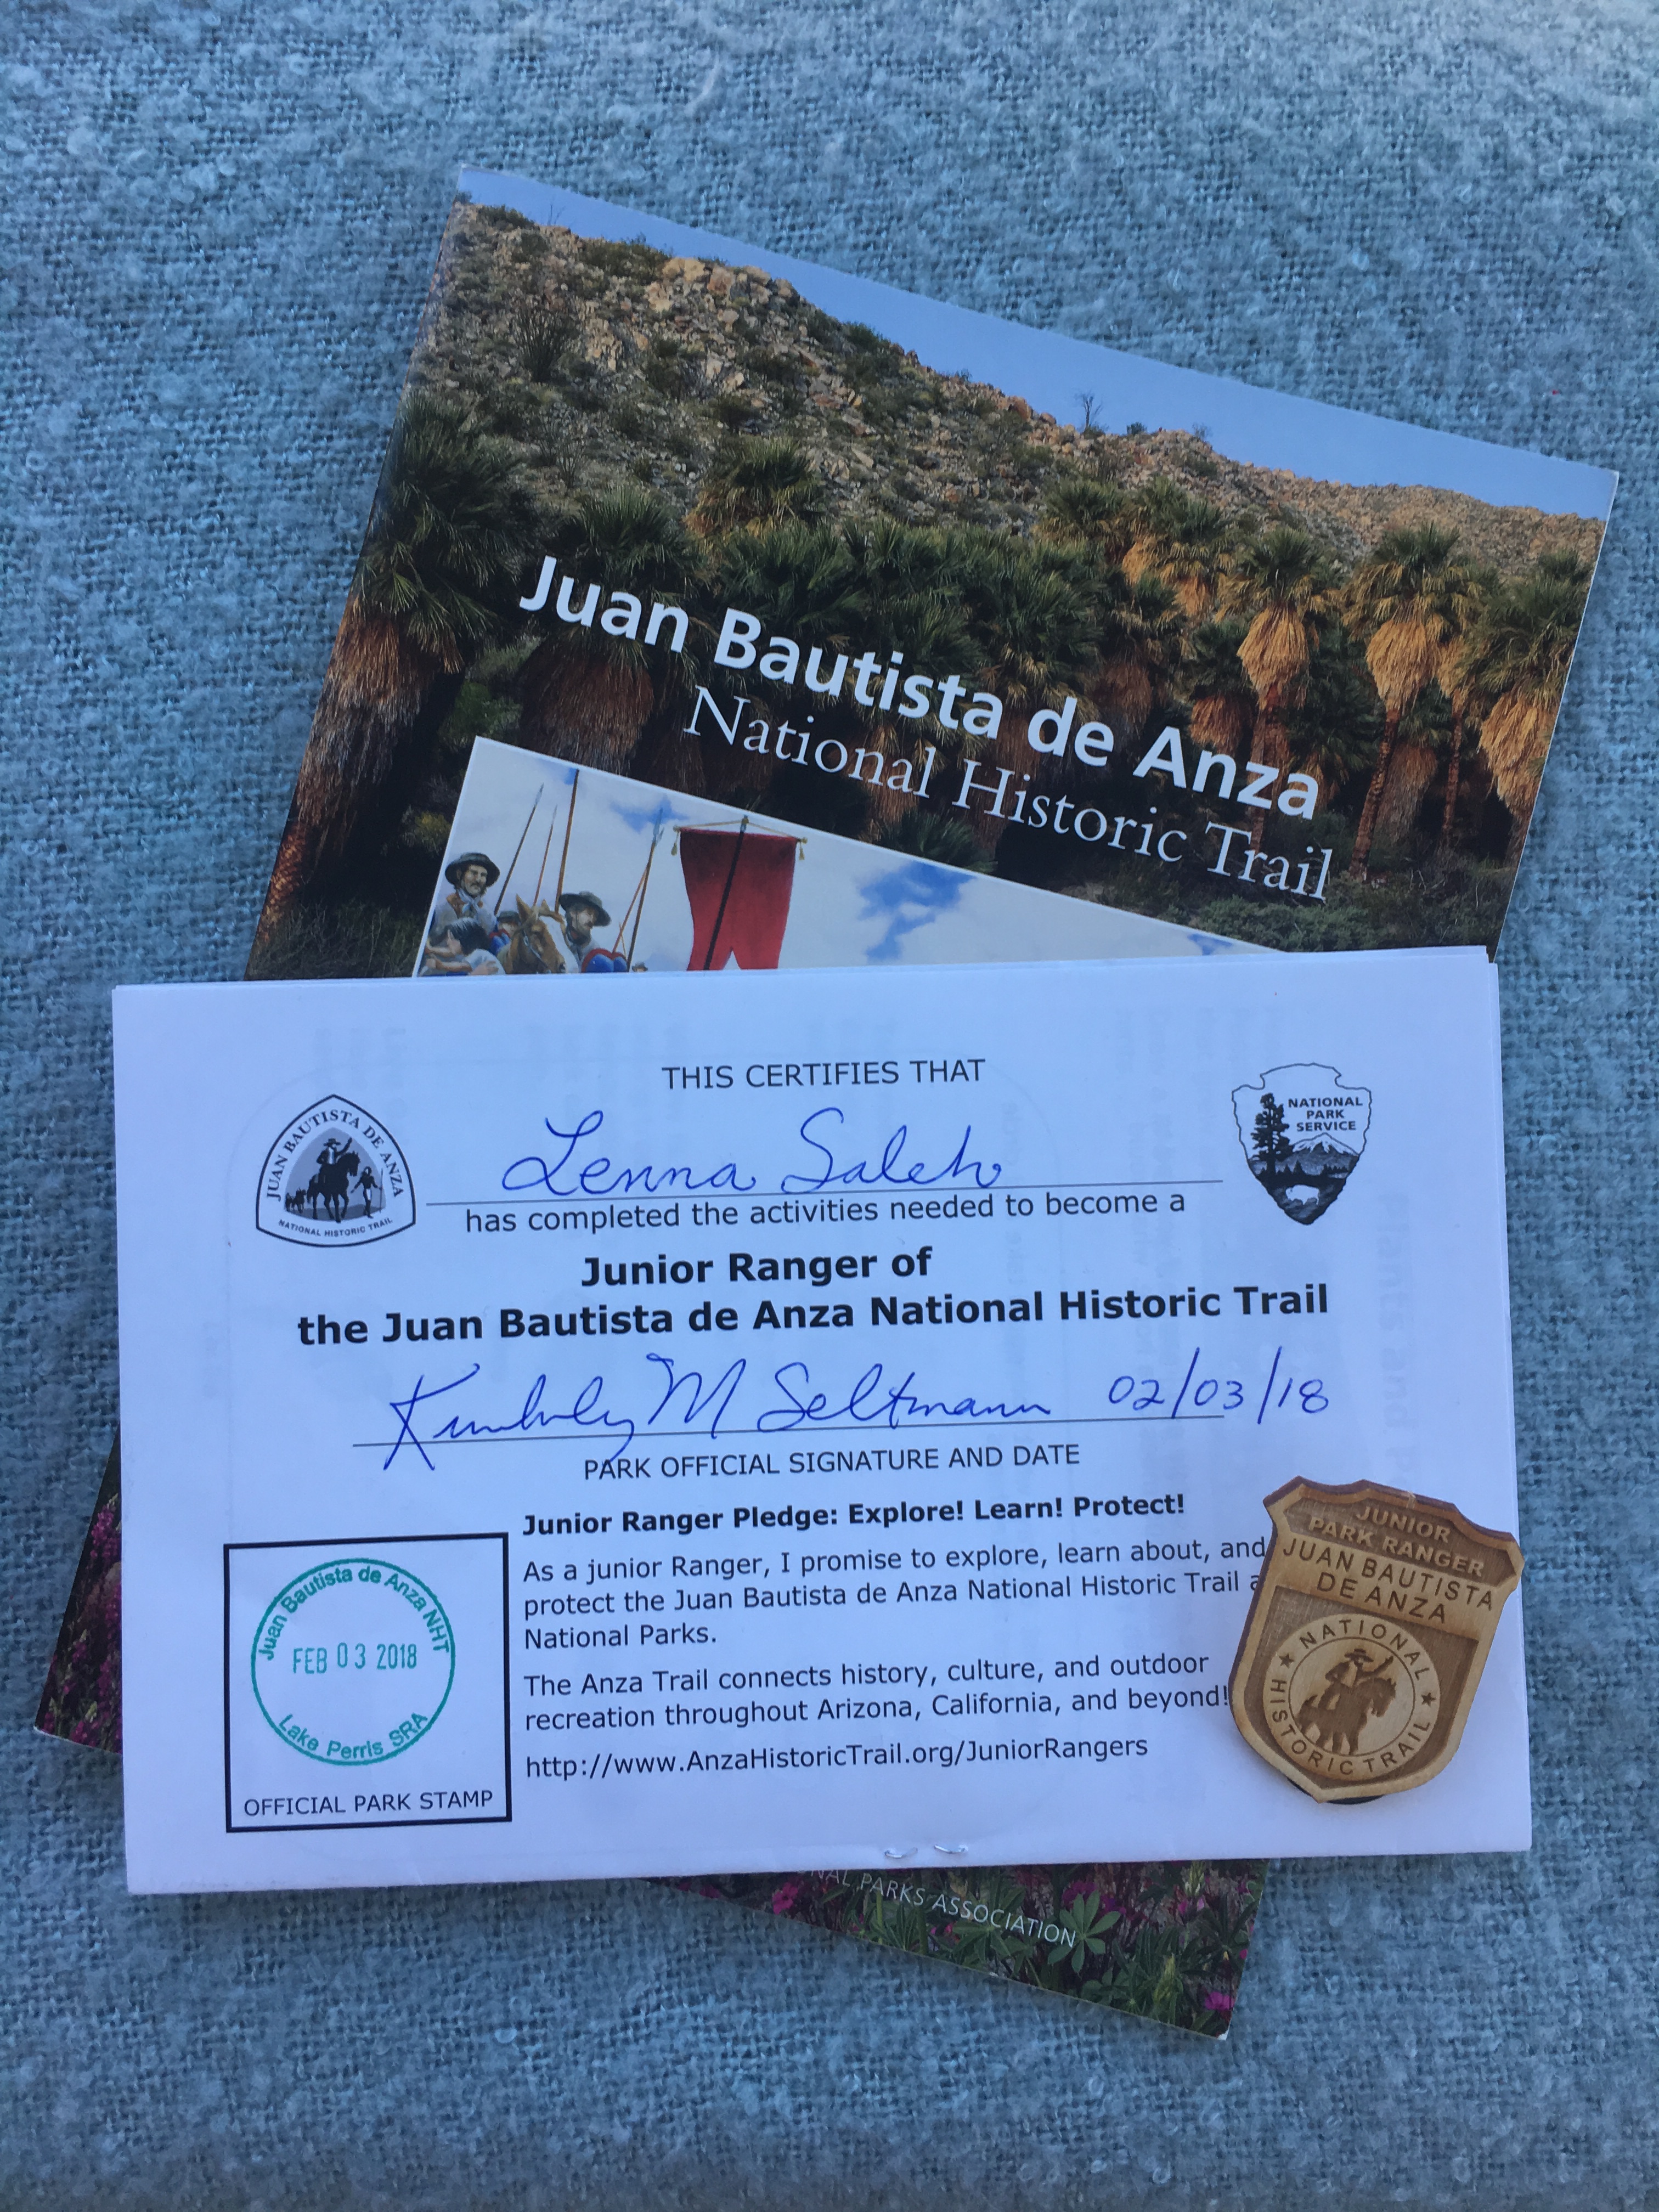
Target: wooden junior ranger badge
[(1366, 1635)]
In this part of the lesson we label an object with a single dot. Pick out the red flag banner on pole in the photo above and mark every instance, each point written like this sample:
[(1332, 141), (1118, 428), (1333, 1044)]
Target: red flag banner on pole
[(739, 883)]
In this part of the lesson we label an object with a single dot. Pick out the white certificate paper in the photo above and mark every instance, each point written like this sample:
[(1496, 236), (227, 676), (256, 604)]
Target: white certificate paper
[(717, 1423)]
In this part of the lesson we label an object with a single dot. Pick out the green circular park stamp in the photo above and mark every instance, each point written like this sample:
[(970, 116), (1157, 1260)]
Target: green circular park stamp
[(352, 1661)]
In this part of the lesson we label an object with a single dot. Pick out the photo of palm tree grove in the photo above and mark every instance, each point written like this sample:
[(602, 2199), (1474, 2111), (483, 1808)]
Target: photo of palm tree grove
[(666, 517)]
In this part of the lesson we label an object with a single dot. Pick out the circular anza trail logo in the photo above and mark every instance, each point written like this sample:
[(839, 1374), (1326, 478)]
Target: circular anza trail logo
[(352, 1661), (1350, 1695)]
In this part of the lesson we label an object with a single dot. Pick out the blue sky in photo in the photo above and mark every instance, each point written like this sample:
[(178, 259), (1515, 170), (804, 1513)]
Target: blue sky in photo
[(907, 897)]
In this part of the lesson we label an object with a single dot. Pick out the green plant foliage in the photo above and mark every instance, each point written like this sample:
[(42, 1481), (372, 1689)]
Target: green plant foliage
[(758, 480), (451, 525), (542, 339), (663, 372), (1166, 1942), (352, 937), (776, 368), (623, 258), (936, 837)]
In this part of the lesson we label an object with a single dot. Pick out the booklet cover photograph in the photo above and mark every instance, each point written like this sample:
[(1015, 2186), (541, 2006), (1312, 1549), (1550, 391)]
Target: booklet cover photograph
[(667, 517)]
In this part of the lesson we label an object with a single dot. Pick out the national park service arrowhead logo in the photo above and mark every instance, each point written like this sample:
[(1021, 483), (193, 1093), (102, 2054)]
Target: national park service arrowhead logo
[(1303, 1128), (335, 1177), (1366, 1637)]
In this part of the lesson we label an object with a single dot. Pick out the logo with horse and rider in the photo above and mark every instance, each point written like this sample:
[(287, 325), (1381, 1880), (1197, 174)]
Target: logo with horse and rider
[(1349, 1686), (1367, 1633), (1303, 1128), (335, 1177)]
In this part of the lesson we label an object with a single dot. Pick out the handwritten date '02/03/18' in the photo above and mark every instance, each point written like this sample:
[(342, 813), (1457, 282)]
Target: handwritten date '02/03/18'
[(684, 1404)]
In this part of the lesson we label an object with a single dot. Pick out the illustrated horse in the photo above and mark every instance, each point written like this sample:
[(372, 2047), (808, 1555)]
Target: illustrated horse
[(1355, 1690), (532, 947), (332, 1183)]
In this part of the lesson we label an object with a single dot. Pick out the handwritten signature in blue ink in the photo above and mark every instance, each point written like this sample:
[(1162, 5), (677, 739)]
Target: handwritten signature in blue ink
[(684, 1395), (874, 1401), (888, 1167), (688, 1400), (586, 1411), (697, 1401)]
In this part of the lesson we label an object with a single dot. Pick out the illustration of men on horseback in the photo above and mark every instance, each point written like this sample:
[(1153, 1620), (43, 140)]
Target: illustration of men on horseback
[(533, 936)]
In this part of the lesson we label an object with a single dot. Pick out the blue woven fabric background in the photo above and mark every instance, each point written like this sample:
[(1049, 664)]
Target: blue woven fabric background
[(221, 220)]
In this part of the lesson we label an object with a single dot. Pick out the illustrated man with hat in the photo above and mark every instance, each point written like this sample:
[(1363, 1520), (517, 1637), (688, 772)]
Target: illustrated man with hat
[(580, 914), (464, 936)]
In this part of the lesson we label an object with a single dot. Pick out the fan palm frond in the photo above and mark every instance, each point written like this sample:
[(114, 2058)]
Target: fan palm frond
[(755, 483)]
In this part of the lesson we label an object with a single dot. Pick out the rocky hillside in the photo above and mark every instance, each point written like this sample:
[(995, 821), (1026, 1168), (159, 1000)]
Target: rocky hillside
[(606, 361)]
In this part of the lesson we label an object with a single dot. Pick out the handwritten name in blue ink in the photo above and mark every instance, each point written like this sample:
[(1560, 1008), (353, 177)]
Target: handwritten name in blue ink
[(602, 1177), (889, 1166), (897, 1163)]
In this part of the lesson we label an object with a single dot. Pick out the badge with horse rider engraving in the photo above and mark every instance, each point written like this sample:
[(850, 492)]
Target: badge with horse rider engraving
[(1366, 1637)]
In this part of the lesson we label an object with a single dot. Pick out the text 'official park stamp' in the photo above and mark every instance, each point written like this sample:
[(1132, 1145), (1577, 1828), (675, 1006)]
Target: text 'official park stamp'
[(366, 1683)]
